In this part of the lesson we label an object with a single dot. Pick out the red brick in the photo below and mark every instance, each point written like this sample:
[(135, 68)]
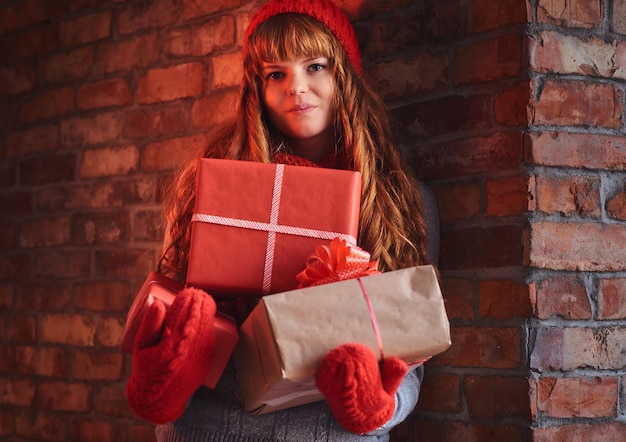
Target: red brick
[(85, 29), (111, 92), (8, 358), (619, 16), (226, 71), (35, 139), (21, 328), (577, 397), (71, 329), (511, 105), (56, 198), (100, 228), (142, 433), (606, 432), (124, 262), (53, 103), (147, 15), (443, 116), (42, 361), (45, 232), (451, 430), (68, 67), (110, 332), (577, 150), (8, 176), (22, 14), (169, 154), (20, 202), (19, 392), (440, 392), (504, 299), (124, 55), (481, 247), (203, 113), (47, 169), (612, 298), (17, 79), (408, 77), (43, 426), (578, 246), (44, 297), (508, 396), (573, 103), (166, 84), (7, 236), (584, 14), (500, 151), (489, 60), (198, 8), (7, 423), (211, 36), (562, 296), (616, 206), (84, 131), (120, 193), (568, 195), (485, 15), (35, 42), (571, 348), (483, 347), (458, 201), (97, 431), (62, 263), (15, 267), (507, 196), (64, 396), (110, 400), (148, 225), (163, 120), (6, 296), (565, 54), (459, 297), (94, 365), (100, 296), (109, 161)]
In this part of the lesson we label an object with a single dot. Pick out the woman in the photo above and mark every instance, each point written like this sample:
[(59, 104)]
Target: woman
[(302, 102)]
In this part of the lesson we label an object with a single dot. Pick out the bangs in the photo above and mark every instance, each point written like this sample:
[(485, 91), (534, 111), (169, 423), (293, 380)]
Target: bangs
[(289, 37)]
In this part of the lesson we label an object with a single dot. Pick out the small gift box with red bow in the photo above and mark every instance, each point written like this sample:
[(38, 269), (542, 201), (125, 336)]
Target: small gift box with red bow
[(254, 224), (282, 342), (157, 286)]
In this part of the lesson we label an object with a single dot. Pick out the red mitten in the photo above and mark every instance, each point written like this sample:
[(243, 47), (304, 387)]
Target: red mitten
[(359, 390), (172, 355)]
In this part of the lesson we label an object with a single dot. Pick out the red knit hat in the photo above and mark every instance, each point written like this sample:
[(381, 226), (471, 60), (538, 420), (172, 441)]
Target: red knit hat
[(323, 11)]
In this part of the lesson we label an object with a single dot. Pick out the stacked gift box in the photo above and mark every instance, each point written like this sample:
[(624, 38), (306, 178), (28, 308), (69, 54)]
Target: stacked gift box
[(253, 228)]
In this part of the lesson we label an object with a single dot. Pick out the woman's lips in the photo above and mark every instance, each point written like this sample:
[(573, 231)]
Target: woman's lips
[(301, 108)]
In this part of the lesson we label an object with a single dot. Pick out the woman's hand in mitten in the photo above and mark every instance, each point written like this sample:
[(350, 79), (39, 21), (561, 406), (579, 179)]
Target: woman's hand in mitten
[(172, 355), (359, 390)]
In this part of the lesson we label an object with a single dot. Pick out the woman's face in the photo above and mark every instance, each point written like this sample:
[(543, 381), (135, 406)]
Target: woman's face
[(298, 99)]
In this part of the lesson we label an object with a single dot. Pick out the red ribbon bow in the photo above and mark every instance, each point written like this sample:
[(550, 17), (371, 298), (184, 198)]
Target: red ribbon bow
[(336, 262)]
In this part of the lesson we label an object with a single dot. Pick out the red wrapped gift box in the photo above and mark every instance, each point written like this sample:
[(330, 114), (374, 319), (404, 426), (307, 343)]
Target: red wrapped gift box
[(165, 289), (255, 224)]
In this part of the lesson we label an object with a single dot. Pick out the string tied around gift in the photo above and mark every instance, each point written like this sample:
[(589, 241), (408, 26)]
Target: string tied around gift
[(272, 228), (337, 262)]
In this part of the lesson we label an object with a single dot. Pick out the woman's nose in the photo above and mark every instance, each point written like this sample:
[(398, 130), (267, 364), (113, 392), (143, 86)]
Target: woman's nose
[(297, 84)]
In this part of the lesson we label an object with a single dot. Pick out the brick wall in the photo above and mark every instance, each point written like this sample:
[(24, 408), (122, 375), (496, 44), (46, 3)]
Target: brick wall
[(512, 111)]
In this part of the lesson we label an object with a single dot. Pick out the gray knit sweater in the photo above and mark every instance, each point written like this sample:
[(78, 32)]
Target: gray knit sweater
[(218, 416)]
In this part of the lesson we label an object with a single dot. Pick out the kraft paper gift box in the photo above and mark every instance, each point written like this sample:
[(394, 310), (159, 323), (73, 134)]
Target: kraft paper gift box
[(157, 286), (287, 334), (254, 224)]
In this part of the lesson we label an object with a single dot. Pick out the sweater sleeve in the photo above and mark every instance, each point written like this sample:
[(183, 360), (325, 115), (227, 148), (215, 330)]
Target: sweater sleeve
[(406, 399)]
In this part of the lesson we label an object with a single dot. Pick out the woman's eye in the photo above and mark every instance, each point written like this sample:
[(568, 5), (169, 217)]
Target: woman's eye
[(317, 67), (275, 76)]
